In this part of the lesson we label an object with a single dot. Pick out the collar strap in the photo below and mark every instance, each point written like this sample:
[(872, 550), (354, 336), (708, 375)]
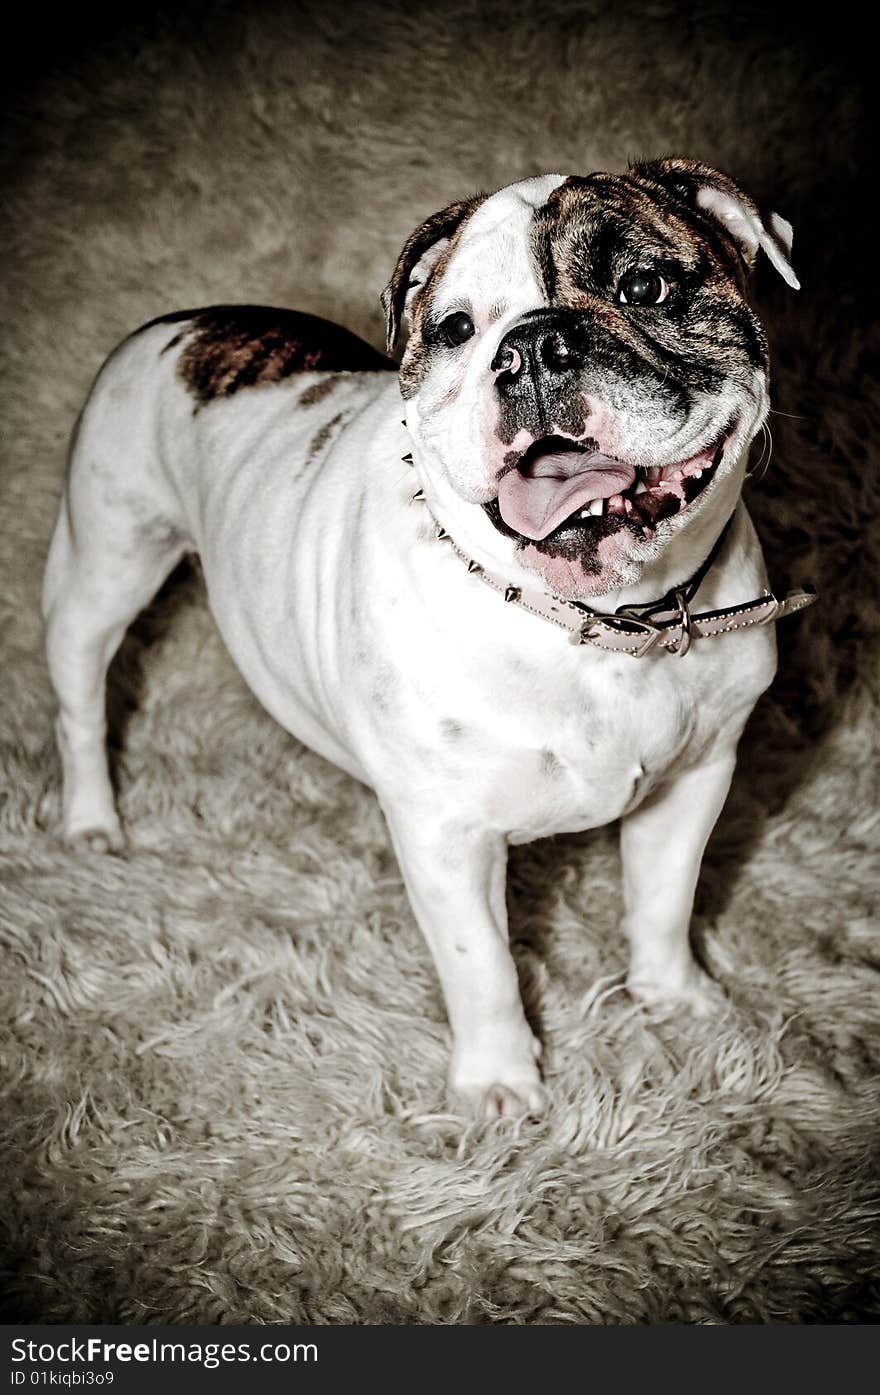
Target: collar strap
[(667, 624), (688, 589)]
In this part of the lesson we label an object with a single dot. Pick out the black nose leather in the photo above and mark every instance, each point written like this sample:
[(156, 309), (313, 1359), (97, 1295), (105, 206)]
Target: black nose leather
[(538, 371), (557, 353), (533, 357)]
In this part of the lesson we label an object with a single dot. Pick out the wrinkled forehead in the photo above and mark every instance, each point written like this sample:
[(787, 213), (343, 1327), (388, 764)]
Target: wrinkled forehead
[(511, 251), (493, 257), (596, 213)]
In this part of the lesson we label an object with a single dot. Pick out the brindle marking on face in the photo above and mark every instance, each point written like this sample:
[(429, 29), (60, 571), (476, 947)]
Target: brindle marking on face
[(448, 223), (593, 230), (229, 347)]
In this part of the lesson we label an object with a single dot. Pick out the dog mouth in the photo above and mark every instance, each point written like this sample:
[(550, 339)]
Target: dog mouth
[(561, 489)]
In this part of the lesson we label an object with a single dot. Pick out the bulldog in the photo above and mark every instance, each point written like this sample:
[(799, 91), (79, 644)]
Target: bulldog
[(512, 587)]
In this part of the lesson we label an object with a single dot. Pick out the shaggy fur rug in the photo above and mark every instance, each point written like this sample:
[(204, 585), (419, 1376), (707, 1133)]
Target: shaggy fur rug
[(223, 1054)]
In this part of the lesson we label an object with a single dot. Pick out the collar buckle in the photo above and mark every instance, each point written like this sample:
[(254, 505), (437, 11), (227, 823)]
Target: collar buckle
[(683, 619), (625, 625)]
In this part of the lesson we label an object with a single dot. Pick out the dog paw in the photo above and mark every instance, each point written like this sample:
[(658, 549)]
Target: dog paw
[(501, 1087), (695, 991), (526, 1098), (110, 839)]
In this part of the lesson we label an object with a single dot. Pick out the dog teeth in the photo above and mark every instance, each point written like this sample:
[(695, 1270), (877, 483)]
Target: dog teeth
[(594, 509), (641, 488)]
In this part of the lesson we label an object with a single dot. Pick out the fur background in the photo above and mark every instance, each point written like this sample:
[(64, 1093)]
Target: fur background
[(223, 1055)]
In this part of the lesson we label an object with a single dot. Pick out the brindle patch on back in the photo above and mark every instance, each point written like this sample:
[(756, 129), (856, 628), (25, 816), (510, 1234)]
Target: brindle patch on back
[(324, 435), (318, 391), (230, 347)]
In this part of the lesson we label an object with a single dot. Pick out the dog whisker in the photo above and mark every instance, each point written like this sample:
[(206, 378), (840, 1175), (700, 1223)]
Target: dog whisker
[(763, 464)]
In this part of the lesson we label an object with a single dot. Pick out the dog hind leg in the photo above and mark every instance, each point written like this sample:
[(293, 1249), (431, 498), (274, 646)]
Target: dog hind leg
[(109, 555)]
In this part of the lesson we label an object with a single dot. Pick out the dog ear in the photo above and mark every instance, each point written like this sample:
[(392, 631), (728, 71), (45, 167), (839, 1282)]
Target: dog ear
[(713, 193), (421, 253)]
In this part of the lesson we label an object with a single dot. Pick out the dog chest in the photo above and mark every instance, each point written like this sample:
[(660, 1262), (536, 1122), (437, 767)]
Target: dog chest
[(535, 750), (599, 748)]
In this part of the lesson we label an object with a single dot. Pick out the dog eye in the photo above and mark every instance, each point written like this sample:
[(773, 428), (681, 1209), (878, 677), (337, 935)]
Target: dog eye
[(457, 328), (642, 288)]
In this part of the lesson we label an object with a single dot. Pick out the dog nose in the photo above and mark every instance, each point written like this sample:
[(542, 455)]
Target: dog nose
[(557, 353), (533, 354), (507, 360)]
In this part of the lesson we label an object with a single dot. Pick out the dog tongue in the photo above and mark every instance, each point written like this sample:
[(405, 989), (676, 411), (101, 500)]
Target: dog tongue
[(556, 485)]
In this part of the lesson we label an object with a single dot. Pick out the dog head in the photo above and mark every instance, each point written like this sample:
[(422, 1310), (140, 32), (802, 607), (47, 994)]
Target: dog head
[(583, 373)]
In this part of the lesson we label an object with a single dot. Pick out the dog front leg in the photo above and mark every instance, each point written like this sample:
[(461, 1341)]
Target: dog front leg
[(456, 880), (662, 843)]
